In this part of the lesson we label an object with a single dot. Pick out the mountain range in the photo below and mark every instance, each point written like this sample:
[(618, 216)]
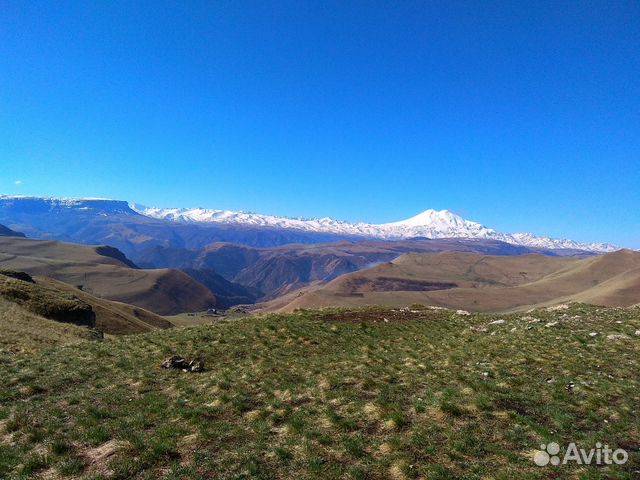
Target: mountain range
[(225, 258), (274, 230), (430, 224)]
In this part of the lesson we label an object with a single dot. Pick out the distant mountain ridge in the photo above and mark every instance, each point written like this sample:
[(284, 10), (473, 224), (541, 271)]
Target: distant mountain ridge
[(7, 232), (431, 224)]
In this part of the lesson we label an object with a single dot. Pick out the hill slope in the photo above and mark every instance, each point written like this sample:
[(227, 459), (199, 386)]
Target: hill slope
[(23, 332), (273, 272), (378, 394), (7, 232), (105, 272), (60, 302), (483, 283)]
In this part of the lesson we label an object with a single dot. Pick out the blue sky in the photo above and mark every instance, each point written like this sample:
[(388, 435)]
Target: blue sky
[(524, 116)]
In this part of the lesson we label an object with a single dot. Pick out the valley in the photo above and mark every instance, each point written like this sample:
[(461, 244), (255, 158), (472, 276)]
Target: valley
[(106, 272)]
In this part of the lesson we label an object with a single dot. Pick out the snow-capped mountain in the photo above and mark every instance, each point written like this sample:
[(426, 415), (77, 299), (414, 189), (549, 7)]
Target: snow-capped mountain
[(430, 224), (43, 205)]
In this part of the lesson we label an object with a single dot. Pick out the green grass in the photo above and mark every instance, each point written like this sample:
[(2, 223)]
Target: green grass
[(335, 394), (44, 301), (23, 332)]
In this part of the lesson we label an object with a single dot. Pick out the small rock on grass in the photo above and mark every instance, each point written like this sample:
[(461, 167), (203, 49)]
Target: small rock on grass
[(181, 363)]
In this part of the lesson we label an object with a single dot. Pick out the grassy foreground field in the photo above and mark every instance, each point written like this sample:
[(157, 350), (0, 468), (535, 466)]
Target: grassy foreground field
[(373, 393)]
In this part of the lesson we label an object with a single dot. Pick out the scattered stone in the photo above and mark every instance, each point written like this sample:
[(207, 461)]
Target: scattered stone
[(570, 386), (174, 362), (593, 334), (551, 324), (555, 308), (181, 363), (239, 309), (618, 336), (478, 329), (462, 312), (196, 366), (637, 333), (497, 322)]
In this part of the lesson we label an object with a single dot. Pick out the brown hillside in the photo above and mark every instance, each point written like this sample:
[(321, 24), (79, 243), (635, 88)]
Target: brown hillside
[(483, 283), (273, 272), (24, 332), (112, 317), (103, 273), (63, 303)]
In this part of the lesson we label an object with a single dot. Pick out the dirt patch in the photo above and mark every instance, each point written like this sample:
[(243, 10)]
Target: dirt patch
[(97, 459), (357, 285), (49, 474)]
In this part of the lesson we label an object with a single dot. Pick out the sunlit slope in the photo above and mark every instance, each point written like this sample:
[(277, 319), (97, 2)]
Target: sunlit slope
[(105, 272), (63, 303), (484, 283), (24, 332)]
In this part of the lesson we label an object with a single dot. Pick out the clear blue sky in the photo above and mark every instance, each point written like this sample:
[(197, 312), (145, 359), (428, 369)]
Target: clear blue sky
[(524, 116)]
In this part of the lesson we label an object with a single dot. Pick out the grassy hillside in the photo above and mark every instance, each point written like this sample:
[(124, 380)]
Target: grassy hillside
[(115, 318), (481, 283), (58, 301), (23, 332), (374, 393)]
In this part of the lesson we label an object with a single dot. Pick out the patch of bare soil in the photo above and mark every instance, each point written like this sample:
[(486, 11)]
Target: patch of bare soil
[(357, 285), (98, 458)]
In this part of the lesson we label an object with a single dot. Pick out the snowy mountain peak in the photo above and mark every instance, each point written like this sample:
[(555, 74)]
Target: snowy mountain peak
[(430, 223), (441, 218)]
